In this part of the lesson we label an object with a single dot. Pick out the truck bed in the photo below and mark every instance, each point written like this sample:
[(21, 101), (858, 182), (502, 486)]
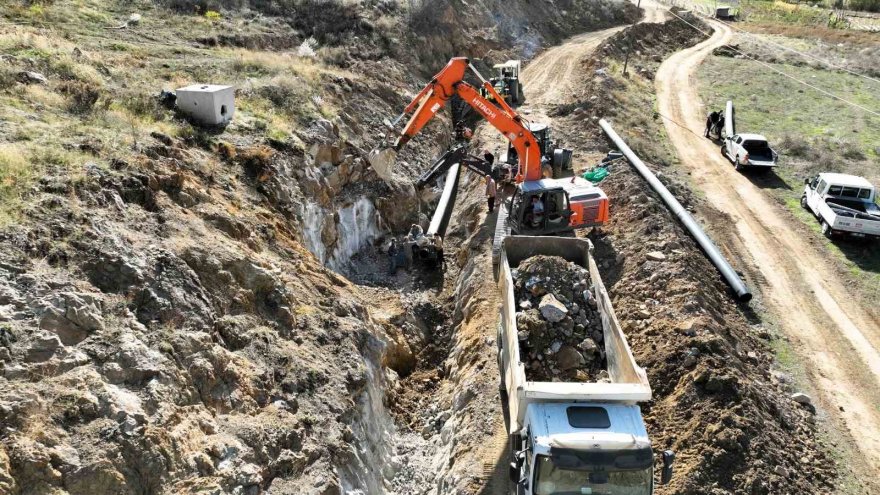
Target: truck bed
[(628, 382), (847, 216)]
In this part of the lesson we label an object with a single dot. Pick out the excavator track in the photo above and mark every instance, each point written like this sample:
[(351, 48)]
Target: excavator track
[(502, 230)]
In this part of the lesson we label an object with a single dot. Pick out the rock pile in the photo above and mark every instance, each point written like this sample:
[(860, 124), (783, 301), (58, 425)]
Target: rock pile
[(560, 332)]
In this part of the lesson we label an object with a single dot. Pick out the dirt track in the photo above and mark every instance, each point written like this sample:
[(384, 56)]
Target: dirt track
[(837, 341), (549, 77)]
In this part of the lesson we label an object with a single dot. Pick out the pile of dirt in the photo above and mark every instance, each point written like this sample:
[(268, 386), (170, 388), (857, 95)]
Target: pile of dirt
[(560, 332), (654, 41), (734, 421)]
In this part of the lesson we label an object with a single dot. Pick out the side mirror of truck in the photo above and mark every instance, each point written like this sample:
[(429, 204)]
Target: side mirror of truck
[(806, 180), (668, 460)]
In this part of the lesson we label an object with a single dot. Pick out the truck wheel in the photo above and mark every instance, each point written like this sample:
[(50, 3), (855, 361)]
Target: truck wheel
[(827, 231), (804, 202), (736, 165)]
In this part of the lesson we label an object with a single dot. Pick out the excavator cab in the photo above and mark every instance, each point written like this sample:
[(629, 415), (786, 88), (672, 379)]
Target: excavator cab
[(555, 162), (550, 206)]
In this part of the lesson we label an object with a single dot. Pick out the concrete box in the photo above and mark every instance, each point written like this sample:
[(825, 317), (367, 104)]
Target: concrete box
[(208, 104)]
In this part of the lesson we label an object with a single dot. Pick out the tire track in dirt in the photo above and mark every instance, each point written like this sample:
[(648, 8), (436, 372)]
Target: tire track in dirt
[(837, 340)]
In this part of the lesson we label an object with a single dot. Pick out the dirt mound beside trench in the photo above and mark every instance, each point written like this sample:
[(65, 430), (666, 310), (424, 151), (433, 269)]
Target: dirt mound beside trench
[(717, 401)]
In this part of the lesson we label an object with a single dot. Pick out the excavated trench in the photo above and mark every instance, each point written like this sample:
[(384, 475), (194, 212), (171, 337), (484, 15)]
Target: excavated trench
[(418, 400)]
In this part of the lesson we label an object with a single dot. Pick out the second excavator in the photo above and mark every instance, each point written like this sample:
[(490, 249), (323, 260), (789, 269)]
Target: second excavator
[(544, 200)]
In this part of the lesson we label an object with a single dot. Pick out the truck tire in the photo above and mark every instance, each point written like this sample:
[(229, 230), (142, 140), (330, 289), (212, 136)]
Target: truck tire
[(804, 204), (513, 89), (827, 231), (736, 164)]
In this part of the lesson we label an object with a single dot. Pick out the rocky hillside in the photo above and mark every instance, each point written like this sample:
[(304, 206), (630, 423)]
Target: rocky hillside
[(168, 321)]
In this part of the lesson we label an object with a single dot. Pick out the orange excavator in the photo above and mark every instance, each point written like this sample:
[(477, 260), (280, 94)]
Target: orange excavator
[(545, 200)]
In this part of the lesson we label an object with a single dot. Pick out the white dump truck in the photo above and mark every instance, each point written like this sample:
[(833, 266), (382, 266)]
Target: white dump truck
[(573, 437), (844, 205)]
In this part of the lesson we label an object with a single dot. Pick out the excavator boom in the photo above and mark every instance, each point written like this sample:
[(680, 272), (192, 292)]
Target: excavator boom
[(448, 82)]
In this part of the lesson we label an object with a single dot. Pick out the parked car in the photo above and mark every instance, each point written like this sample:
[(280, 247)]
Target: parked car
[(749, 150), (844, 205)]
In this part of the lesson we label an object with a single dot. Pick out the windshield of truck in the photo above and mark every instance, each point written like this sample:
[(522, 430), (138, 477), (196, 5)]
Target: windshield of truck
[(758, 150), (553, 480)]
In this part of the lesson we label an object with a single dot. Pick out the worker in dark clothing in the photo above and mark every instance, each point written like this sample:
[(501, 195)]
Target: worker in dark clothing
[(711, 120), (393, 258)]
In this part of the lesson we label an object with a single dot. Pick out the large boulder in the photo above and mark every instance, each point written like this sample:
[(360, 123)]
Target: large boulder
[(551, 309)]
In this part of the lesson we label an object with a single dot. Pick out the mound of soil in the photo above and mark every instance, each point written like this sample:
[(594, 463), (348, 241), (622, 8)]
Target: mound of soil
[(731, 418), (560, 332)]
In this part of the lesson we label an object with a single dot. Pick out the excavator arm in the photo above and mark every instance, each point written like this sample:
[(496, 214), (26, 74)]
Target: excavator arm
[(433, 97)]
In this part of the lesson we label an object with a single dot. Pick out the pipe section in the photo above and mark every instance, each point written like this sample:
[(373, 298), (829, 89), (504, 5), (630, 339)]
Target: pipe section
[(442, 214), (742, 292)]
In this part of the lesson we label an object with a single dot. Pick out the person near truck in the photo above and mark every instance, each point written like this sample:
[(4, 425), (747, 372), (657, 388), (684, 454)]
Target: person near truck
[(491, 192), (710, 121)]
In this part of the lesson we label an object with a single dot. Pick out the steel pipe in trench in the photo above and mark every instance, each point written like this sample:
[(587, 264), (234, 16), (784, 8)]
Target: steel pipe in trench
[(739, 287), (440, 220)]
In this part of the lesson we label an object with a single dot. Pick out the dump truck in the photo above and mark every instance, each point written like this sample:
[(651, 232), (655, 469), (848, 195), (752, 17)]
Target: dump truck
[(573, 437), (506, 82), (845, 205)]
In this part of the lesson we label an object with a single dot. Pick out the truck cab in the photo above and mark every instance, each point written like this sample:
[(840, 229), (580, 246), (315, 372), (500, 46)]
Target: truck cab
[(577, 448), (843, 204)]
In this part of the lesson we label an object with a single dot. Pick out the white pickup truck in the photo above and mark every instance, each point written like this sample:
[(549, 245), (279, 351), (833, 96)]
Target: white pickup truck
[(573, 437), (844, 205), (745, 150), (749, 150)]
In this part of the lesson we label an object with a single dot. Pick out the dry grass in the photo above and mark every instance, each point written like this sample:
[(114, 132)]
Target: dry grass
[(16, 174)]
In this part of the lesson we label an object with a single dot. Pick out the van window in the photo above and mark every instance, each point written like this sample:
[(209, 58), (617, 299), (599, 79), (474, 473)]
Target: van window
[(850, 192), (835, 190), (864, 193)]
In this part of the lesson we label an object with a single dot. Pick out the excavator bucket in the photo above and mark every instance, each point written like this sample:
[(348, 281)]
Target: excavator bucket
[(382, 160)]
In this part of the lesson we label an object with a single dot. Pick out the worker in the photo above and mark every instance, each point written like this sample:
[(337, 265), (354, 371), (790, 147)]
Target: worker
[(411, 243), (393, 251), (711, 120), (491, 191), (537, 210)]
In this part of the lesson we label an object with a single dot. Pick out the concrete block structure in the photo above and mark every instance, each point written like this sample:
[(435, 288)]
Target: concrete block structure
[(208, 104)]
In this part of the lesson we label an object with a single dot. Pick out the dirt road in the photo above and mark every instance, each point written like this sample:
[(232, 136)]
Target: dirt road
[(837, 341), (548, 78)]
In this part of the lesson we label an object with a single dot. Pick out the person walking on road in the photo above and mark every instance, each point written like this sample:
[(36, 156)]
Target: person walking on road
[(491, 191)]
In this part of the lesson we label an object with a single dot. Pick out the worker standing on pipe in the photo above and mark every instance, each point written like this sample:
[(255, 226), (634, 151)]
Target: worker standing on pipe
[(491, 191)]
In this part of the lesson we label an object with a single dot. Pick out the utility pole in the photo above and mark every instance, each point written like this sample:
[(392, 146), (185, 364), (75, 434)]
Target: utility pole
[(626, 59)]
